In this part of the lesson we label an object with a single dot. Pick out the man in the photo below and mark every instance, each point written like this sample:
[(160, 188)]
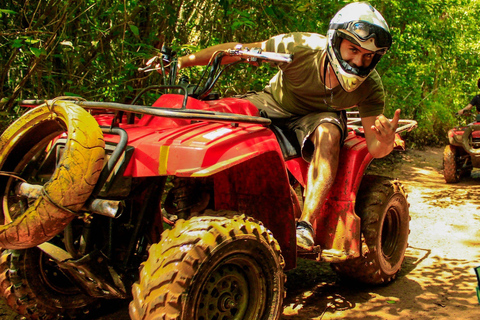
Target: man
[(474, 103), (327, 75)]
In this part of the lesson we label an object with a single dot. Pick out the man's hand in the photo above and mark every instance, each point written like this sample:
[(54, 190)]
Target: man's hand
[(155, 63), (384, 129)]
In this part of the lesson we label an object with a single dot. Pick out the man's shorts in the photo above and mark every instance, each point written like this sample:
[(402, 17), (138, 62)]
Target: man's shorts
[(302, 126)]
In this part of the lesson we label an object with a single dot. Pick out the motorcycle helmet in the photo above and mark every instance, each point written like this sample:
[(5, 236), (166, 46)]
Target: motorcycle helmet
[(363, 25)]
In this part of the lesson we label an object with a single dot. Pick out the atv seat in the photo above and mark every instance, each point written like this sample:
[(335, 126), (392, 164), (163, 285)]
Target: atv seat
[(288, 142)]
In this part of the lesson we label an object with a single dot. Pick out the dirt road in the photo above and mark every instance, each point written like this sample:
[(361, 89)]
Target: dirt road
[(437, 280)]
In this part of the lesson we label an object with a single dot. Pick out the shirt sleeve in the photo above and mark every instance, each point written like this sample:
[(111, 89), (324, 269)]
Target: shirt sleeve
[(289, 42), (476, 102)]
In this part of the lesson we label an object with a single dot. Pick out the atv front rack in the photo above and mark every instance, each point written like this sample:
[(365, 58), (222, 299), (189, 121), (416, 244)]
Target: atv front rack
[(354, 123), (188, 114)]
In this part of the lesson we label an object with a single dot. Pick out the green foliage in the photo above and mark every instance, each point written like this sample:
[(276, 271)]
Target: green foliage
[(432, 69), (93, 49)]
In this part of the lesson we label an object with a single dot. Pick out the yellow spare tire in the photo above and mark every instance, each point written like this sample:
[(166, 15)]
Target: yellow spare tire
[(67, 181)]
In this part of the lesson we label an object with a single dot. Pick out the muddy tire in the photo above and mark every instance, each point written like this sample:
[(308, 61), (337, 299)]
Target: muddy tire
[(211, 268), (383, 208), (34, 287), (67, 180), (451, 172)]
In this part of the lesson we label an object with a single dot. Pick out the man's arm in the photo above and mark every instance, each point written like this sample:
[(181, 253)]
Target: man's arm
[(380, 134), (467, 108), (203, 56)]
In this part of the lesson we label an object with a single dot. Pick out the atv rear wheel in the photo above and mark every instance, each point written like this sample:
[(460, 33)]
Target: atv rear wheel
[(451, 171), (384, 214), (211, 268), (36, 288)]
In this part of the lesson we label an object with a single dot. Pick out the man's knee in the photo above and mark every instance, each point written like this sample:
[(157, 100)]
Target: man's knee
[(327, 134), (326, 144)]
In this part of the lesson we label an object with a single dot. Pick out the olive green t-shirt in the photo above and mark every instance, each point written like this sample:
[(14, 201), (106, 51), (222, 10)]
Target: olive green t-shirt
[(298, 87)]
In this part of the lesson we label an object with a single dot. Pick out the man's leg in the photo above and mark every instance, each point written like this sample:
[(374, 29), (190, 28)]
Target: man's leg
[(321, 175)]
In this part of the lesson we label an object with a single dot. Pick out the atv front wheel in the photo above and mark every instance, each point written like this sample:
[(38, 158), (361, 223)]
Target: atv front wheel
[(36, 288), (384, 214), (451, 172), (211, 268)]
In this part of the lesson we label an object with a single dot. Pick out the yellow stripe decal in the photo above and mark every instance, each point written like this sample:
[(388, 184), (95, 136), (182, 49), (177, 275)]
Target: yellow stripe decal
[(163, 159)]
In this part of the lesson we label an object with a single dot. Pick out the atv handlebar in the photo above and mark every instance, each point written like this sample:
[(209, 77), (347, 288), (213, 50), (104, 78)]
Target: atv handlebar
[(406, 125), (167, 65), (249, 55), (253, 56), (257, 54)]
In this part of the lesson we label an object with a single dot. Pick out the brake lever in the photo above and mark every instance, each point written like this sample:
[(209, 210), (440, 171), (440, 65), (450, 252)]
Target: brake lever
[(148, 67)]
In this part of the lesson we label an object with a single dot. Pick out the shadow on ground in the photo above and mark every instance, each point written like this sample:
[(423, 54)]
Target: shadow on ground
[(426, 285)]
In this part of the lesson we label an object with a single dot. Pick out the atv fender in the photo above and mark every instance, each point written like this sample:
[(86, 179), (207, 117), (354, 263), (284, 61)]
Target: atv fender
[(455, 137), (197, 150), (342, 231), (260, 188), (467, 140), (246, 164)]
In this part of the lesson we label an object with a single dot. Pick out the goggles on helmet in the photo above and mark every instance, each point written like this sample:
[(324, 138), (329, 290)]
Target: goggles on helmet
[(363, 31)]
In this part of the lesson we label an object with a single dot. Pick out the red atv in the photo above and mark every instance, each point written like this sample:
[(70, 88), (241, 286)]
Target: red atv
[(189, 206), (463, 152)]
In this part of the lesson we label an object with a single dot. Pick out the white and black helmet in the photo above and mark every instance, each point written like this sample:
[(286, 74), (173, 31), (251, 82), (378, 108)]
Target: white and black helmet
[(363, 25)]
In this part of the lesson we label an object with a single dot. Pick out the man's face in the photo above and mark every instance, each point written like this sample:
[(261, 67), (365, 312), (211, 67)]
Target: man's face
[(354, 55)]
